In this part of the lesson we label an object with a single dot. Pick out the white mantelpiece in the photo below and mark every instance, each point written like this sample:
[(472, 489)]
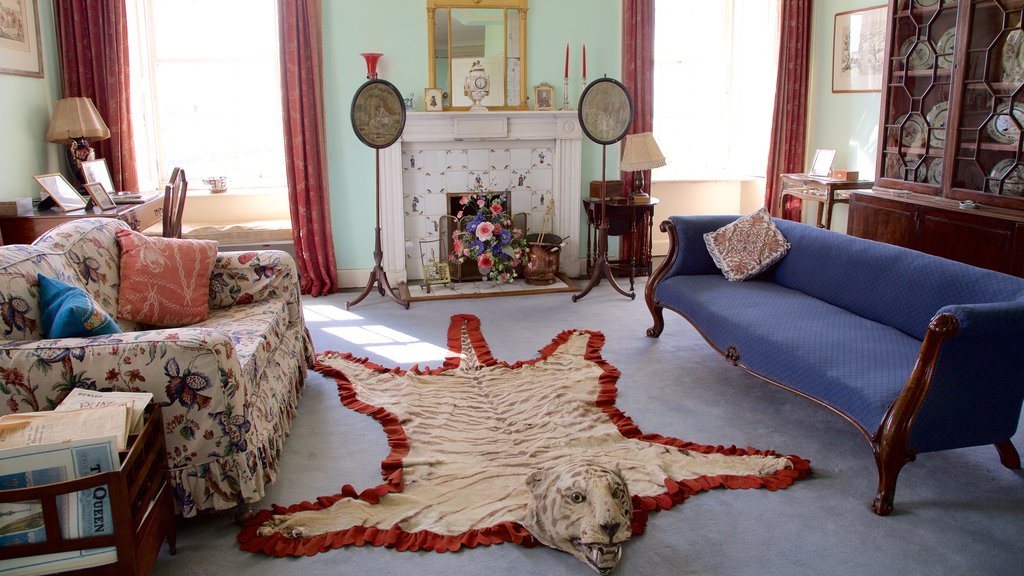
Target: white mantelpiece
[(535, 156)]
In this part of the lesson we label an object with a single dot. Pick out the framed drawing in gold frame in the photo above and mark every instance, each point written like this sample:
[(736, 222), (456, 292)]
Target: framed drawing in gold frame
[(858, 50)]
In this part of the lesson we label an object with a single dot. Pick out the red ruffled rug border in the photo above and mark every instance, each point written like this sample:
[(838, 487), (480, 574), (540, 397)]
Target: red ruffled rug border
[(391, 468)]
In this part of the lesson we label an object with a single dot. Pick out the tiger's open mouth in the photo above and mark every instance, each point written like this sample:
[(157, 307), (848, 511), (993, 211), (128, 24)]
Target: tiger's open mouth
[(601, 557)]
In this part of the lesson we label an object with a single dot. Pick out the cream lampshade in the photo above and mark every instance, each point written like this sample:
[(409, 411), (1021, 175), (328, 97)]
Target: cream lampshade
[(640, 153), (76, 122)]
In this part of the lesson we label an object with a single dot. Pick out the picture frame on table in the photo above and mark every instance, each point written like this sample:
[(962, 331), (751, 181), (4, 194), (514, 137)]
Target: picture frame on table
[(544, 96), (433, 99), (99, 196), (61, 191), (821, 165), (96, 171), (21, 50), (858, 50)]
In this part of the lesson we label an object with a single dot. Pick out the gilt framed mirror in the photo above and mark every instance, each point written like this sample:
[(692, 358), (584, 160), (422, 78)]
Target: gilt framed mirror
[(493, 32)]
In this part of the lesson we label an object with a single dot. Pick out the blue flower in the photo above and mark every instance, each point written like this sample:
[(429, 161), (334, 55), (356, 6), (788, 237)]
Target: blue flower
[(505, 235)]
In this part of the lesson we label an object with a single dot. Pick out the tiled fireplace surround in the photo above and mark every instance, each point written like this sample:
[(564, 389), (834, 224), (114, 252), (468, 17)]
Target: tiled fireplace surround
[(532, 156)]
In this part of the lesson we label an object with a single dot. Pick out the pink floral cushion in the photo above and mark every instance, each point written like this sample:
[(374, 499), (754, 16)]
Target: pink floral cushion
[(747, 247), (165, 282)]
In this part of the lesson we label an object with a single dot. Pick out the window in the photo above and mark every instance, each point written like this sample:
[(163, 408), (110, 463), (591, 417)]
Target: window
[(206, 92), (714, 87)]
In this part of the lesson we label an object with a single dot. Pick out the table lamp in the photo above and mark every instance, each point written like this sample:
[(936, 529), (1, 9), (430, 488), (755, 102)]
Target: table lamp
[(640, 153), (76, 122)]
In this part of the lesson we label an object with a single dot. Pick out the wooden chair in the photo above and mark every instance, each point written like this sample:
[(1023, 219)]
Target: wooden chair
[(174, 203)]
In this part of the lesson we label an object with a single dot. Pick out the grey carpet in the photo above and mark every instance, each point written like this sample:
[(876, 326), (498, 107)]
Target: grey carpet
[(957, 512)]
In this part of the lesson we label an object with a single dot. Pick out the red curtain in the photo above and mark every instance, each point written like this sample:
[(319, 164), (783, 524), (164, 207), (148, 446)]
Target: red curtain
[(789, 120), (92, 39), (302, 93), (638, 70)]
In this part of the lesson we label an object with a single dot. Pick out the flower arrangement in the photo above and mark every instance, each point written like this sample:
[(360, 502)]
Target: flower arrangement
[(489, 237)]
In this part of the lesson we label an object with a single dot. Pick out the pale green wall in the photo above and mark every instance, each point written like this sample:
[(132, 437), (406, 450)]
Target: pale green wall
[(846, 122), (351, 28), (25, 105)]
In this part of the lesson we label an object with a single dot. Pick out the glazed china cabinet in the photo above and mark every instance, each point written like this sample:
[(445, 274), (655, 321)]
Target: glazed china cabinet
[(950, 171)]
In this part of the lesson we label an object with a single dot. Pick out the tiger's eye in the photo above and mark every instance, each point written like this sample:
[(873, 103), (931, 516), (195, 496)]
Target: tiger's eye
[(577, 498), (617, 493)]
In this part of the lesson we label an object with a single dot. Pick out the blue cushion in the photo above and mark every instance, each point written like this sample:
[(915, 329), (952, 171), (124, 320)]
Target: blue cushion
[(67, 311), (851, 363)]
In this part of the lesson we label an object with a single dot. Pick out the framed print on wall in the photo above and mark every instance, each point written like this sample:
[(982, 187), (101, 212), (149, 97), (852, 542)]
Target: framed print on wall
[(858, 50), (21, 50), (62, 192)]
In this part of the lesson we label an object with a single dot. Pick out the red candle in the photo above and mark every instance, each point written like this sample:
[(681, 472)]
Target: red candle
[(567, 61), (584, 60)]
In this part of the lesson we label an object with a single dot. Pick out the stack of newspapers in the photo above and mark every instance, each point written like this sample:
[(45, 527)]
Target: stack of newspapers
[(80, 437)]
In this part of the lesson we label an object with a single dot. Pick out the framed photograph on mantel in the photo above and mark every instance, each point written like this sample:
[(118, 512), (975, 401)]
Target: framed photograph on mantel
[(858, 50), (21, 50)]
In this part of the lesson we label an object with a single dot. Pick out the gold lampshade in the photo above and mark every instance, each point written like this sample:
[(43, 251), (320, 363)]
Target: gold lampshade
[(641, 153), (75, 118)]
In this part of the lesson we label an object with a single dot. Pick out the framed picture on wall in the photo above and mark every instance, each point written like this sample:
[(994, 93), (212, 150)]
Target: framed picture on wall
[(858, 50), (21, 50)]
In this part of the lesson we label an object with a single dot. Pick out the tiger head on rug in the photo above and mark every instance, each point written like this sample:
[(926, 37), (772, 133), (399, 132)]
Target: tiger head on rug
[(583, 508)]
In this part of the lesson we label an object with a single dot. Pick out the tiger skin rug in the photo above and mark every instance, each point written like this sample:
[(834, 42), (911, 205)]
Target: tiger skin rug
[(472, 440)]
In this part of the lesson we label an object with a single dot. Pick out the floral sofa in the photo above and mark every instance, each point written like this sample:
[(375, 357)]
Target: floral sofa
[(228, 385)]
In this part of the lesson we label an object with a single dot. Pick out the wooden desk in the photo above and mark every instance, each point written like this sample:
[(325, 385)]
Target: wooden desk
[(825, 191), (27, 226), (633, 223)]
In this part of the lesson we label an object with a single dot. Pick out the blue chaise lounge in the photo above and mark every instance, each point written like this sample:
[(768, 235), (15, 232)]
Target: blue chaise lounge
[(920, 353)]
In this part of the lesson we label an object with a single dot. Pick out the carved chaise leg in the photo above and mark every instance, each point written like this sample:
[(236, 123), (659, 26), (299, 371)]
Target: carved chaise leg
[(890, 459), (658, 313), (891, 443), (1008, 454)]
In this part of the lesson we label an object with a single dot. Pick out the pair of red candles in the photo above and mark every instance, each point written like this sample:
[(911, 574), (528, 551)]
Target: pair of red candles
[(567, 61)]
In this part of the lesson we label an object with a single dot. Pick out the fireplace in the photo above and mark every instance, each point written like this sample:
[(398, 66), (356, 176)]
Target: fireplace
[(533, 157)]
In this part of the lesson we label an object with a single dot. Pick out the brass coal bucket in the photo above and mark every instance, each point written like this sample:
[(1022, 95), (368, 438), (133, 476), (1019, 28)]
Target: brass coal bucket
[(542, 258)]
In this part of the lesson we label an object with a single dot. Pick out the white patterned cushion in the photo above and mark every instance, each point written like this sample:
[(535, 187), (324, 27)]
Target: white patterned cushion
[(746, 247)]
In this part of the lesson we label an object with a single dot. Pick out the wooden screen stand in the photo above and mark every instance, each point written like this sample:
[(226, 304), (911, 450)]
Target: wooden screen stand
[(601, 266), (378, 276)]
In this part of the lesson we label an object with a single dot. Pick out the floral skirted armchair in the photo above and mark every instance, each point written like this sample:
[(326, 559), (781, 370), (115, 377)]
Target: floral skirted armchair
[(228, 386)]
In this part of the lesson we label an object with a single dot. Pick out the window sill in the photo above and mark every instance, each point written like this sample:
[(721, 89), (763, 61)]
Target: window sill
[(718, 178), (238, 192)]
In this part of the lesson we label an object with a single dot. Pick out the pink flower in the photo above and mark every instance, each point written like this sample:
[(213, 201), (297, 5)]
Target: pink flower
[(485, 261), (484, 231), (480, 202), (457, 247), (464, 199), (496, 208)]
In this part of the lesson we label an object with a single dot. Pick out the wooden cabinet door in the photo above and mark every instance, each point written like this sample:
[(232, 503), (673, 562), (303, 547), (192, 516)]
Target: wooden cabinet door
[(975, 240), (882, 220)]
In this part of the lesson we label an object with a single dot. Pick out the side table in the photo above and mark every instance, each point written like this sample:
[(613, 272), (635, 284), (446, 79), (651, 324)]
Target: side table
[(633, 223), (140, 502), (825, 191)]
